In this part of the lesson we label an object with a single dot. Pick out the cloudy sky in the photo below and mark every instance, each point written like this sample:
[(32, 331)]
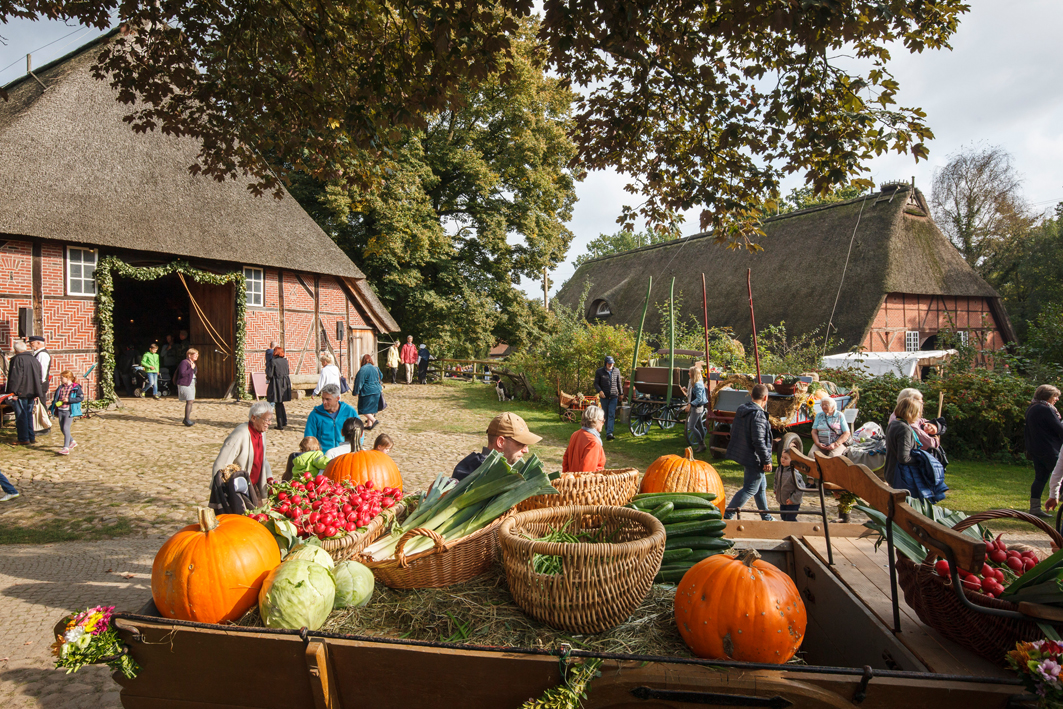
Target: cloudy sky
[(1000, 85)]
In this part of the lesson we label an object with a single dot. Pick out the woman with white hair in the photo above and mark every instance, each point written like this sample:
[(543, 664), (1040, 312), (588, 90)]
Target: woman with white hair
[(585, 453), (830, 430), (245, 447), (330, 373)]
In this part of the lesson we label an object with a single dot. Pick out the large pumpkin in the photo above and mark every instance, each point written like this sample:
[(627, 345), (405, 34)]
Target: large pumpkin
[(740, 609), (361, 466), (673, 473), (211, 572)]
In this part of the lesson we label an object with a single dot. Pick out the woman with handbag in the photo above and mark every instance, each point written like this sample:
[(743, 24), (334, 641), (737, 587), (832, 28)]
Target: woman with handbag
[(697, 400), (66, 405), (367, 388), (908, 467), (279, 390)]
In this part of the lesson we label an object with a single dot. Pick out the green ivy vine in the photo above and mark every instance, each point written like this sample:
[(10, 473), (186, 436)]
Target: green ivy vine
[(110, 265)]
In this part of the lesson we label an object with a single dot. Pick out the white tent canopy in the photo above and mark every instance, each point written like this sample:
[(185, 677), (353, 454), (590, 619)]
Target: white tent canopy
[(903, 364)]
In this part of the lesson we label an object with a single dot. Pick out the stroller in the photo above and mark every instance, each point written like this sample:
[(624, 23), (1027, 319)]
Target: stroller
[(140, 381)]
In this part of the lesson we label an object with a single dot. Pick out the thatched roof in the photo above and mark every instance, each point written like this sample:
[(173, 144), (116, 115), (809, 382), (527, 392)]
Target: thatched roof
[(71, 170), (897, 249)]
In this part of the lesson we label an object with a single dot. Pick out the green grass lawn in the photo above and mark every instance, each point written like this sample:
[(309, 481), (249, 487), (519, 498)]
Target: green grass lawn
[(974, 486)]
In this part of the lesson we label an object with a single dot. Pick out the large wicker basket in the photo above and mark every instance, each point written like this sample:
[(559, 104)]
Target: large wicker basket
[(347, 546), (935, 602), (603, 487), (448, 563), (600, 584)]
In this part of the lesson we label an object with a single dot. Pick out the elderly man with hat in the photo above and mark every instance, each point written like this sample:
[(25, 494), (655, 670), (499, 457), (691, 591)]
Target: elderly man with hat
[(43, 356), (509, 435), (607, 383)]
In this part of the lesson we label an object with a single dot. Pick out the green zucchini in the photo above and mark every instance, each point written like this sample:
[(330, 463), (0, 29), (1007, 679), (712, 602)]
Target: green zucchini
[(698, 541), (708, 496), (662, 511), (671, 574), (700, 554), (705, 525), (689, 515), (671, 555)]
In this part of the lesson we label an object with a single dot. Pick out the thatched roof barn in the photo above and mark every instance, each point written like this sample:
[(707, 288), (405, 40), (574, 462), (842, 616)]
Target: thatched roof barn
[(904, 280), (78, 184)]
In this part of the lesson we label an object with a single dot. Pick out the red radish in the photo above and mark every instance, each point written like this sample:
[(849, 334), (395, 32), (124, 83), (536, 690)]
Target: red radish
[(1012, 552), (1015, 563), (999, 575), (942, 568), (998, 557), (987, 571), (1028, 564), (972, 583)]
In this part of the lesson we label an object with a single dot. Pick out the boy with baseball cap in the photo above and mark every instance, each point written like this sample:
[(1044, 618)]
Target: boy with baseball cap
[(509, 435)]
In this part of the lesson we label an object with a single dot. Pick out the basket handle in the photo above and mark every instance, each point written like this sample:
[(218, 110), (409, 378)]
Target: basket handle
[(974, 519), (400, 555)]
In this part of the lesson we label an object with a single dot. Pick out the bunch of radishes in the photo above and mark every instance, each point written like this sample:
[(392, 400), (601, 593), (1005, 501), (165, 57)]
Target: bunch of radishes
[(1002, 566), (322, 508)]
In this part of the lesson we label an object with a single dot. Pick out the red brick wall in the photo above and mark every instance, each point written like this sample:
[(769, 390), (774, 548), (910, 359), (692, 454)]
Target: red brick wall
[(928, 314), (15, 286)]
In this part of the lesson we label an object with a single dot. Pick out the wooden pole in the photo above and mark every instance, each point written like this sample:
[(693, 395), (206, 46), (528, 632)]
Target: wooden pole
[(941, 401), (705, 314), (753, 320), (546, 290), (671, 340), (638, 344)]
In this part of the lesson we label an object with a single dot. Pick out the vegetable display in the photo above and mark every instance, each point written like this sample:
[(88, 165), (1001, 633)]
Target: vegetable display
[(673, 473), (319, 507), (365, 467), (299, 593), (455, 510), (694, 527), (354, 584), (740, 608), (211, 572)]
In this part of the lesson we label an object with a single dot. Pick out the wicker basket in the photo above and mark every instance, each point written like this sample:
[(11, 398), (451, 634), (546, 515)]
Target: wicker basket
[(347, 546), (935, 602), (603, 487), (601, 584), (450, 562)]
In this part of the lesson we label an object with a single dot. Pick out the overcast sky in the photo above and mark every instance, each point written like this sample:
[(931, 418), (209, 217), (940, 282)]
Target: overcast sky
[(1000, 85)]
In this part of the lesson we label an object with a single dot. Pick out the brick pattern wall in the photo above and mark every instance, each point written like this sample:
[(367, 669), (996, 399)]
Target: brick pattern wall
[(927, 315), (53, 270), (16, 287)]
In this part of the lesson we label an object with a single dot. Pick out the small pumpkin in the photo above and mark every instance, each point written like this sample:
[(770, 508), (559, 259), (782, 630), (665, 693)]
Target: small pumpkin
[(740, 608), (365, 465), (211, 572), (674, 473)]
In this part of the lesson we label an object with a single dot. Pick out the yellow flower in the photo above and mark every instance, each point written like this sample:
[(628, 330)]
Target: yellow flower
[(57, 646)]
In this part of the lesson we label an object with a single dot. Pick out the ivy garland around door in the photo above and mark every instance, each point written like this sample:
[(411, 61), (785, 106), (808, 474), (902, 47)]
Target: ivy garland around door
[(110, 265)]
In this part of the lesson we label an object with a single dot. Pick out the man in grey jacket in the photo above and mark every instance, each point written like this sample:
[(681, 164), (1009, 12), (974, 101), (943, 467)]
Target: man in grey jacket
[(608, 385), (750, 446)]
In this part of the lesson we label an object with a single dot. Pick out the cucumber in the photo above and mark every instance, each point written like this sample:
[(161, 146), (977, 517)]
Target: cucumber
[(662, 511), (697, 541), (689, 515), (700, 554), (671, 574), (680, 528), (662, 496), (671, 555)]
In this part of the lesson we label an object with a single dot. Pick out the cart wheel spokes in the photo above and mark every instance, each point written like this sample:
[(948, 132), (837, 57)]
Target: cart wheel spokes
[(668, 416), (568, 415), (641, 419)]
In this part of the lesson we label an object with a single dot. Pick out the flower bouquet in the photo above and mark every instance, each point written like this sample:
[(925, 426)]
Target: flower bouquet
[(1037, 665), (89, 639)]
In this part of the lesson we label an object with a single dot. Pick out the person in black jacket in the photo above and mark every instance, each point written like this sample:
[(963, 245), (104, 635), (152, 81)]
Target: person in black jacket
[(24, 381), (1044, 436), (607, 383), (750, 445), (279, 390)]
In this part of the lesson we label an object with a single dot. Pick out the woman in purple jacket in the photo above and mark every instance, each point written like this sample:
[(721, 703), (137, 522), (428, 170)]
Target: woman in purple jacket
[(185, 379)]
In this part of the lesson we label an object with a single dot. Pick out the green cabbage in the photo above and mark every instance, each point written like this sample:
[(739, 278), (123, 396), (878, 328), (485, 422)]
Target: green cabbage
[(313, 553), (354, 584), (297, 593)]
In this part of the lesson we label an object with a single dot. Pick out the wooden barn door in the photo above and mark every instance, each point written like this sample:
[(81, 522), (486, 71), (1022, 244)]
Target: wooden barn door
[(362, 342), (217, 365)]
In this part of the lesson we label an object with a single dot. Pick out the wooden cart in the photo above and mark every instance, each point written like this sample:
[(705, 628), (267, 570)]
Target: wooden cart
[(572, 406)]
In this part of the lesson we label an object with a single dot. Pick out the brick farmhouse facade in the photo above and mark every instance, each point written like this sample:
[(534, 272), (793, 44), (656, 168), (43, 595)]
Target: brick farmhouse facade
[(79, 185)]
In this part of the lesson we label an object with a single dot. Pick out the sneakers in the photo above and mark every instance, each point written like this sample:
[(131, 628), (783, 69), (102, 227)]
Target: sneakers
[(9, 496), (189, 423), (63, 451), (73, 445), (609, 437)]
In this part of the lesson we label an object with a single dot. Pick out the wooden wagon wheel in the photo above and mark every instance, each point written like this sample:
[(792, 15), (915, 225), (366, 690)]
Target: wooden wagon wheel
[(641, 419), (568, 415), (668, 417)]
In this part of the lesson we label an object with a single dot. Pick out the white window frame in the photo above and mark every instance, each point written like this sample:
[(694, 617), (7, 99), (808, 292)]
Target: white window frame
[(603, 310), (911, 341), (80, 280), (255, 297), (964, 337)]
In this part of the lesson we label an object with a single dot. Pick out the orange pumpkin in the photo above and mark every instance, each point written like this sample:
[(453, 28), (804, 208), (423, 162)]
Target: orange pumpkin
[(740, 609), (361, 466), (673, 473), (211, 572)]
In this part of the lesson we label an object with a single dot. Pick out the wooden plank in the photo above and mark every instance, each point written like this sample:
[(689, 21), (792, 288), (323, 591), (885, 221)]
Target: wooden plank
[(37, 288), (280, 307), (319, 667), (317, 317)]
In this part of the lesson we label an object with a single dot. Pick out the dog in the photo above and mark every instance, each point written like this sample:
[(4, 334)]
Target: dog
[(501, 390)]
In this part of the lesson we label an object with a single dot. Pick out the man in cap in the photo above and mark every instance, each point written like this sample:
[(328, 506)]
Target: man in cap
[(607, 383), (43, 356), (509, 435)]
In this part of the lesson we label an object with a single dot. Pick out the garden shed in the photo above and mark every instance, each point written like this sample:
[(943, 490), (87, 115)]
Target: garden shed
[(107, 241)]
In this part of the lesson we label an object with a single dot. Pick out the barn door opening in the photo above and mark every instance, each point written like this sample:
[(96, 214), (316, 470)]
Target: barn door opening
[(212, 330)]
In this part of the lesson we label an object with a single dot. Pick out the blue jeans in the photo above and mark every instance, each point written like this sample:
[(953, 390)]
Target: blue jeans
[(153, 383), (609, 405), (789, 508), (754, 485), (24, 418), (696, 425), (6, 485)]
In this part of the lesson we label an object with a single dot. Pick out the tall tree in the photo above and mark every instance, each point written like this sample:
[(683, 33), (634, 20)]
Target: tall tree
[(978, 203), (467, 205), (623, 240), (704, 104)]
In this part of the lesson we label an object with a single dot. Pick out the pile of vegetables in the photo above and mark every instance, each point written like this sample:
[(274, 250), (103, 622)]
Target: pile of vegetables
[(1001, 568), (456, 510), (316, 506), (552, 565), (693, 525), (308, 586)]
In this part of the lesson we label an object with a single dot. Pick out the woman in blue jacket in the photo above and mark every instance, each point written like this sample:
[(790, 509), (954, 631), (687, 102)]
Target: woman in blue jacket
[(367, 388)]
